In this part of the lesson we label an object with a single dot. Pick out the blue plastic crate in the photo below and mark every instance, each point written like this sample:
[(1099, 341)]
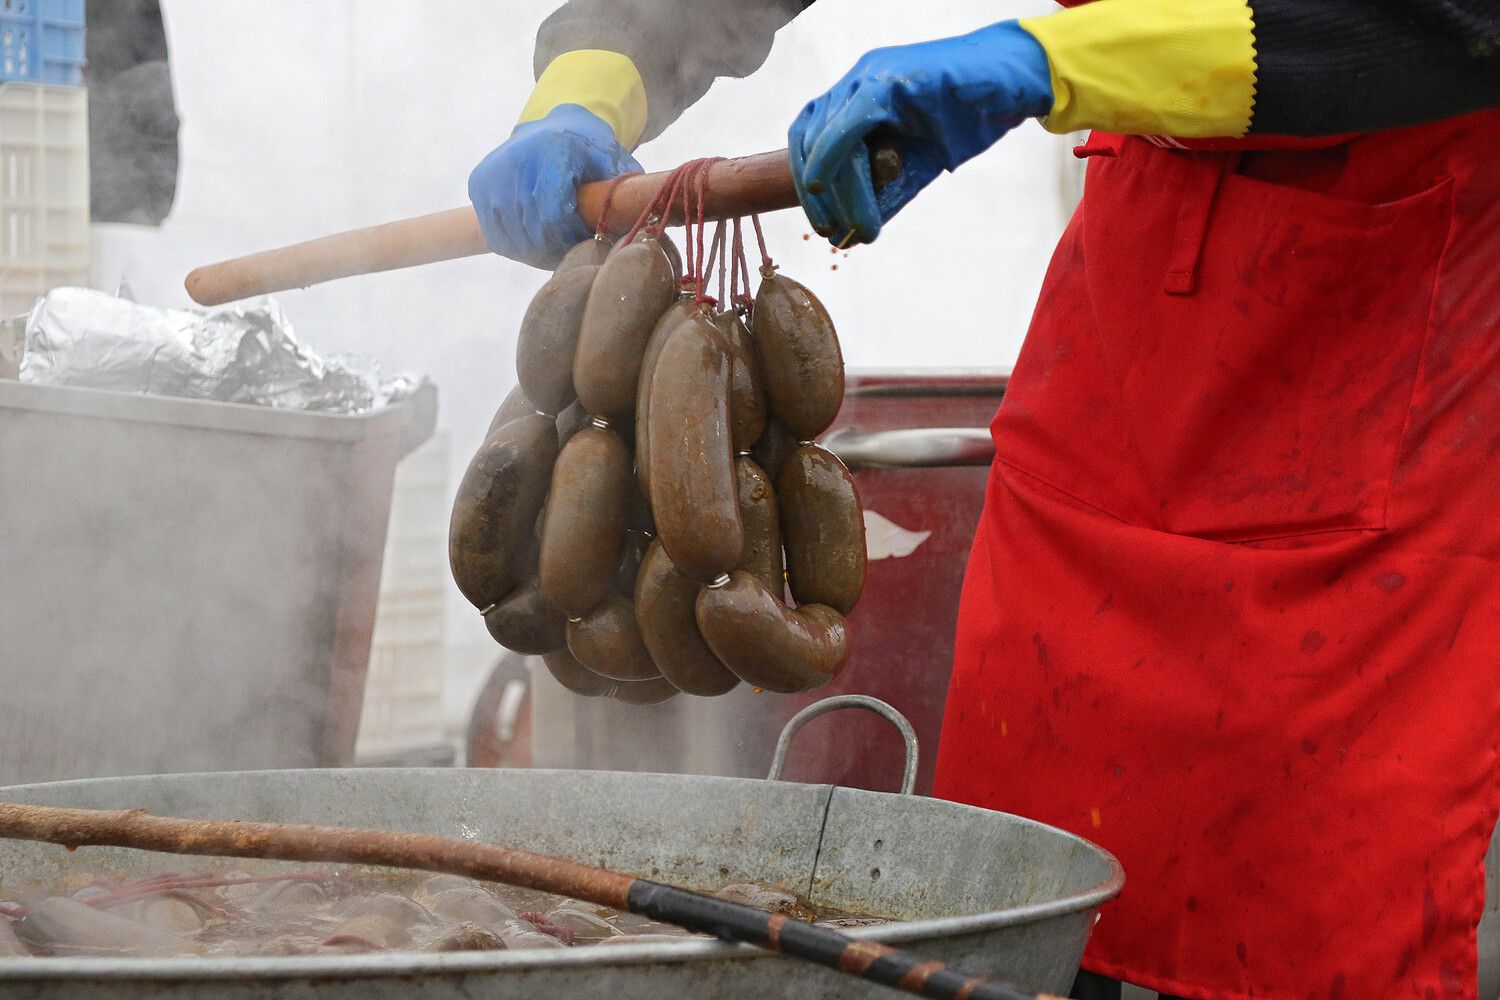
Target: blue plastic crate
[(42, 40)]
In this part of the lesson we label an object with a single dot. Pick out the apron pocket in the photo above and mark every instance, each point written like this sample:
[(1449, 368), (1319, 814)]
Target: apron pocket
[(1272, 400)]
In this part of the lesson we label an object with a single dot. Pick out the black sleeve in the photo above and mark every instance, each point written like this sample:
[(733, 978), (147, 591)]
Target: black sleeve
[(679, 46), (1326, 67)]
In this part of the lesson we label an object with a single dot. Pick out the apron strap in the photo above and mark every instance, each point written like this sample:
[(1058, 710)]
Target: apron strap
[(1200, 189), (1099, 144)]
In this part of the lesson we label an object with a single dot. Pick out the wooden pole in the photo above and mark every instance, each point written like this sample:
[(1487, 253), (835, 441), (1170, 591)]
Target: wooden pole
[(748, 185)]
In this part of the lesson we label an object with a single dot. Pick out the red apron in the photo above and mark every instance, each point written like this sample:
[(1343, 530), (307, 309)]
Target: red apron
[(1233, 609)]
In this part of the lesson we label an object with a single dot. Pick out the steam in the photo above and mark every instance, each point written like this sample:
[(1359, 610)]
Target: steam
[(302, 119)]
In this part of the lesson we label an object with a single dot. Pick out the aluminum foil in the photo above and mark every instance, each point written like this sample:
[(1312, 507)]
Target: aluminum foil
[(239, 354)]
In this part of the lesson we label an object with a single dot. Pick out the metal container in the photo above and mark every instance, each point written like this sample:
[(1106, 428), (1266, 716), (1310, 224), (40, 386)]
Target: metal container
[(919, 445), (187, 585), (990, 893)]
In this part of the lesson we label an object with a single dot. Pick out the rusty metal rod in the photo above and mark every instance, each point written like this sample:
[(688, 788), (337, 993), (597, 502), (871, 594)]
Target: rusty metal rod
[(134, 828), (748, 185)]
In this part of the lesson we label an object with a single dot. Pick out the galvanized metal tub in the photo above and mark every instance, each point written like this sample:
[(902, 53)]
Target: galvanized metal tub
[(991, 893)]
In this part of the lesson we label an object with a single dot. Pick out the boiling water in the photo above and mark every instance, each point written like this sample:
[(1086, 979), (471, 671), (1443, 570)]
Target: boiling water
[(348, 911)]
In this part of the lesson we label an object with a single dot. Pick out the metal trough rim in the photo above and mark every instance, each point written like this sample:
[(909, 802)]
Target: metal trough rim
[(422, 963)]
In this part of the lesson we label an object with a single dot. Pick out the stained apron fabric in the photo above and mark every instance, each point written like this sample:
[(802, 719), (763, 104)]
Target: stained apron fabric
[(1233, 609)]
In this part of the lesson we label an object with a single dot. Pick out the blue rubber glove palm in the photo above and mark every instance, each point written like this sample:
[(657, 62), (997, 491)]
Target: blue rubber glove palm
[(943, 102), (525, 190)]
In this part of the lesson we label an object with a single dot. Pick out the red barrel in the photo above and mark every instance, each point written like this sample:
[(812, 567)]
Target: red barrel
[(922, 488)]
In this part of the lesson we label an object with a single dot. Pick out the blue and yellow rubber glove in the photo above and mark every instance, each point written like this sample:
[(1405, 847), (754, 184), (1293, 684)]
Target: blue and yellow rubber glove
[(941, 103), (1141, 67), (585, 115)]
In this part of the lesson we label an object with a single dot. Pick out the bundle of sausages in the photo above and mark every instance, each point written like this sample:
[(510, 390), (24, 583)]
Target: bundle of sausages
[(638, 572)]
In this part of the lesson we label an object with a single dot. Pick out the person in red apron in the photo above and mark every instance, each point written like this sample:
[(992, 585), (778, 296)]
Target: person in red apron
[(1233, 608)]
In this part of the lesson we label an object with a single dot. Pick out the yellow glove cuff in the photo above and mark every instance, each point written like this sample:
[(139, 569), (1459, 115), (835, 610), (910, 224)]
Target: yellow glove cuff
[(606, 83), (1151, 67)]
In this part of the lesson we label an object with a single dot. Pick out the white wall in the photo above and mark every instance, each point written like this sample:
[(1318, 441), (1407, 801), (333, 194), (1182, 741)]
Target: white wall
[(301, 117)]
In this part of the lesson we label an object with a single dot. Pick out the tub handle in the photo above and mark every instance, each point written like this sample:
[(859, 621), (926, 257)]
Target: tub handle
[(912, 447), (817, 708)]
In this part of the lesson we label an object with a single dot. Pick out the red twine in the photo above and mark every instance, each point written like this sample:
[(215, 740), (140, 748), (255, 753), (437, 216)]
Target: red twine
[(767, 267), (685, 191), (720, 253)]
